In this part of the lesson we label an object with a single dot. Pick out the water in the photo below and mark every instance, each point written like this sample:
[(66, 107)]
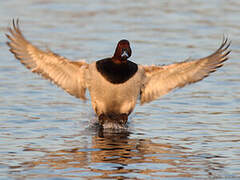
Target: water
[(191, 133)]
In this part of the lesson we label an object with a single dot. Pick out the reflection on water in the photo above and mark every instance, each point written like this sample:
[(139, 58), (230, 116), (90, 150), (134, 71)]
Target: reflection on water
[(110, 155), (192, 133)]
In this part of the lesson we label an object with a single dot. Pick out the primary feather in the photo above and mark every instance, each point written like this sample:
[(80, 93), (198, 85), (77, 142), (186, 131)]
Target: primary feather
[(69, 75), (162, 79)]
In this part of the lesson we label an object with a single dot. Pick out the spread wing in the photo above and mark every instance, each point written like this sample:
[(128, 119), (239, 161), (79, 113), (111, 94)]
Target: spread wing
[(162, 79), (69, 75)]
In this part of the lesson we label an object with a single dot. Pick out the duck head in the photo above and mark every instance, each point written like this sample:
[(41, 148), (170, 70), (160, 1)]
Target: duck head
[(122, 52)]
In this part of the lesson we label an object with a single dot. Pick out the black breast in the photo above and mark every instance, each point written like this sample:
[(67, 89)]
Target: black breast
[(116, 73)]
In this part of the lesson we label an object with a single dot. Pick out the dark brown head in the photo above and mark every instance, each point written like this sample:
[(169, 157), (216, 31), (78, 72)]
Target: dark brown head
[(123, 51)]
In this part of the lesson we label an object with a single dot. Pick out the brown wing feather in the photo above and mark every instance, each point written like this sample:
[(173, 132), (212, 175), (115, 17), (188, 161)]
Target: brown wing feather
[(69, 75), (162, 79)]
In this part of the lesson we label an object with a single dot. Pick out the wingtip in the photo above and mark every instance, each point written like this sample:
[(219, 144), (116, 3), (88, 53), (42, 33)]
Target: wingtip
[(15, 23), (7, 35), (225, 38), (8, 43), (226, 43)]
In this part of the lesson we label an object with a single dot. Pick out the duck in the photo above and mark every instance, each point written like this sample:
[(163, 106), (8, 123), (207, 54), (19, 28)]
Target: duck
[(115, 84)]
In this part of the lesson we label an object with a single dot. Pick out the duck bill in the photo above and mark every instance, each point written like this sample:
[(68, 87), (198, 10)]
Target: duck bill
[(124, 55)]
